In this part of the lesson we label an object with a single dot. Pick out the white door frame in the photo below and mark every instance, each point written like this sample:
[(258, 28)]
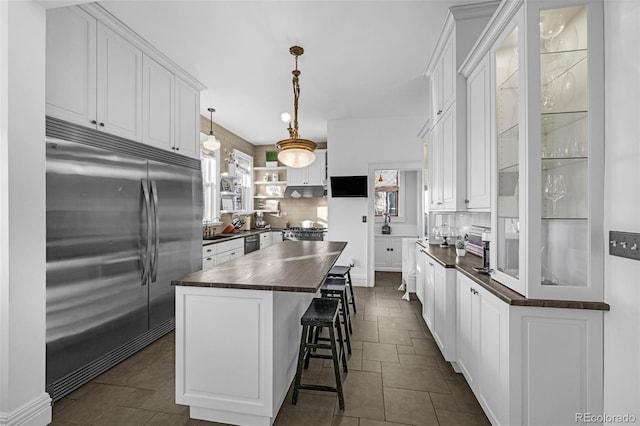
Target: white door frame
[(397, 165)]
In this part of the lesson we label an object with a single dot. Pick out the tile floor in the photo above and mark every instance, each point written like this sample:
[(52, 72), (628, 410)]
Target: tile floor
[(397, 376)]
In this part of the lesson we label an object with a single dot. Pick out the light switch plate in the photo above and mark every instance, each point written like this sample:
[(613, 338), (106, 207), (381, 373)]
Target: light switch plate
[(624, 244)]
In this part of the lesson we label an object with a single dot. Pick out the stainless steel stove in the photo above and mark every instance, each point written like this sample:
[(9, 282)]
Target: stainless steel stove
[(303, 234)]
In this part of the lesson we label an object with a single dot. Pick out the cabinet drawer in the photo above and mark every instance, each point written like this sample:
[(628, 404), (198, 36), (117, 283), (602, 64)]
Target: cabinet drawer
[(235, 243), (209, 250)]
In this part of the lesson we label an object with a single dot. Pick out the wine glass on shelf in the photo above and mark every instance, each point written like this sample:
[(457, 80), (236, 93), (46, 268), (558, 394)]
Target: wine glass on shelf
[(554, 189)]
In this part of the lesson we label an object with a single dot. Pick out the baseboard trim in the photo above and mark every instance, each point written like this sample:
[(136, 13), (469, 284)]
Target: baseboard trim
[(360, 281), (36, 412)]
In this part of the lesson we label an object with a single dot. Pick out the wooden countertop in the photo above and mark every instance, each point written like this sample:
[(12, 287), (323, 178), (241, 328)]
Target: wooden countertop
[(447, 258), (298, 266)]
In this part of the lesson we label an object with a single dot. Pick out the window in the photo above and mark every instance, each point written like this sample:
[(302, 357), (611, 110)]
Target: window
[(387, 189), (209, 164)]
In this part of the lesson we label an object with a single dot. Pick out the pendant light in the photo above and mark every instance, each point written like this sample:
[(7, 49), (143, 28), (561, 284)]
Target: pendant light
[(211, 144), (295, 152)]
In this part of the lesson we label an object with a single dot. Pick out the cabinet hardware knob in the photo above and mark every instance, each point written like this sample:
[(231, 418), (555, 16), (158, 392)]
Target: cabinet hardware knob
[(439, 203), (439, 112), (177, 149), (233, 254), (101, 124), (94, 122), (613, 243), (466, 201)]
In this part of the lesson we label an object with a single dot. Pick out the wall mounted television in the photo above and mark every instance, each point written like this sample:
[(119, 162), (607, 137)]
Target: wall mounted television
[(349, 186)]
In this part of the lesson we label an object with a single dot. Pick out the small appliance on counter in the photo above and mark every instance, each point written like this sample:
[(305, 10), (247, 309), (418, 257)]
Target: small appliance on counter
[(386, 228), (260, 222)]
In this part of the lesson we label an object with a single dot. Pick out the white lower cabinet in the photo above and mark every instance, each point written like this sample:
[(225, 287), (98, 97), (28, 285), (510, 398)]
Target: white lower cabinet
[(265, 240), (439, 305), (388, 253), (276, 237), (217, 253), (528, 365), (420, 276)]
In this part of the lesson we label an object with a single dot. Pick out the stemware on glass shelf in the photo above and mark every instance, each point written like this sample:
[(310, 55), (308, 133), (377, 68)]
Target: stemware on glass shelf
[(554, 189)]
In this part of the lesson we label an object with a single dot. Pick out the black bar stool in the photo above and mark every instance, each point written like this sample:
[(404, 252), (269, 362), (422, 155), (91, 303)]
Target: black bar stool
[(322, 312), (345, 272), (336, 287)]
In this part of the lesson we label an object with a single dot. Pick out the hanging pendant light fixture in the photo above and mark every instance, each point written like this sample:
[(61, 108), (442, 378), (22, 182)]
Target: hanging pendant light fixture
[(211, 144), (295, 152)]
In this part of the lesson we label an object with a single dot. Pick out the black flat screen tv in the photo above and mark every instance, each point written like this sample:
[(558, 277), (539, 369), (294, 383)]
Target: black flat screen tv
[(349, 186)]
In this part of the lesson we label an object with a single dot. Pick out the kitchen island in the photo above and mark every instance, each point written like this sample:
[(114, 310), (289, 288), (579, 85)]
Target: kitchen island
[(238, 330)]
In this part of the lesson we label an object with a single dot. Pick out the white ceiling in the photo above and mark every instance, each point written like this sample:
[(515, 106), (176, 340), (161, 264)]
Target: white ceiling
[(363, 59)]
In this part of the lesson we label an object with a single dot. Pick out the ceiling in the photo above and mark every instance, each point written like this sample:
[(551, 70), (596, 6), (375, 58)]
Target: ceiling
[(362, 59)]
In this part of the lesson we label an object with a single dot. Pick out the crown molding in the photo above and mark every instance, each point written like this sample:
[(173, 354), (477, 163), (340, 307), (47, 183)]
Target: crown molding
[(503, 15)]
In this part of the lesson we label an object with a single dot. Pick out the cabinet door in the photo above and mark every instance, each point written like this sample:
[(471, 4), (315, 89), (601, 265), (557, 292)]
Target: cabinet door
[(492, 350), (449, 170), (119, 82), (479, 138), (436, 94), (316, 171), (187, 120), (276, 237), (439, 305), (435, 168), (448, 72), (429, 300), (157, 104), (467, 329), (395, 253), (71, 66), (381, 252), (420, 274), (296, 176)]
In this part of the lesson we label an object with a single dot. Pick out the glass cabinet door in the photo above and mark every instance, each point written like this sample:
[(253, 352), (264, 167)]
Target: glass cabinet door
[(564, 141), (507, 232)]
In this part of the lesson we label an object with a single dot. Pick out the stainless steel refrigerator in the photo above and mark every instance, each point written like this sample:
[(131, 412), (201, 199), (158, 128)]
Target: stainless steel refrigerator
[(123, 220)]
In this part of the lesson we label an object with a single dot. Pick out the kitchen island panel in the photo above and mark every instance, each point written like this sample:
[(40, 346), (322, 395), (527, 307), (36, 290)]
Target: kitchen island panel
[(236, 351)]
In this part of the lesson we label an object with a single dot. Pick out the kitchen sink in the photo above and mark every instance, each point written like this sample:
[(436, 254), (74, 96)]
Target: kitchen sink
[(218, 237)]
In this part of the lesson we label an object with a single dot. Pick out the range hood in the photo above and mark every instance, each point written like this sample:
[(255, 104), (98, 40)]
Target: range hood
[(305, 192)]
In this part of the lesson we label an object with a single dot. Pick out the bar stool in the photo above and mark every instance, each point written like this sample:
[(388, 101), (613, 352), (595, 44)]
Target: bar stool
[(322, 312), (336, 287), (342, 271)]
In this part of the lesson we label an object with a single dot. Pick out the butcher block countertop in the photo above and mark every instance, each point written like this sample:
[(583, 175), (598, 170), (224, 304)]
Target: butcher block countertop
[(447, 258), (296, 266)]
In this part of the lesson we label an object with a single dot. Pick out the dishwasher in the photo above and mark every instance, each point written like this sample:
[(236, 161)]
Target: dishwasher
[(251, 243)]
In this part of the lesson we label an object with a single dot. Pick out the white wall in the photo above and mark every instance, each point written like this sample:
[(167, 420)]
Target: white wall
[(22, 221), (622, 205), (352, 146)]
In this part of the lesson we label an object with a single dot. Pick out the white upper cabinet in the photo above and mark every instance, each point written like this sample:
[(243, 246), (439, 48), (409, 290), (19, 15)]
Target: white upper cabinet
[(546, 124), (119, 80), (71, 66), (314, 174), (446, 138), (443, 80), (157, 104), (187, 119), (479, 138), (100, 74)]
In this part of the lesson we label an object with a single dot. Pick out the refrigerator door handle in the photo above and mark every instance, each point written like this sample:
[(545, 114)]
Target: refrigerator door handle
[(145, 254), (156, 234)]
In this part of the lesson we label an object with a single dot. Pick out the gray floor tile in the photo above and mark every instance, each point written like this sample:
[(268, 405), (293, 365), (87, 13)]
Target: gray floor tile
[(391, 346), (409, 407)]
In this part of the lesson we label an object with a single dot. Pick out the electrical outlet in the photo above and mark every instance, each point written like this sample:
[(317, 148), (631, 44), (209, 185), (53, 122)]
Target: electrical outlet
[(624, 244), (364, 219)]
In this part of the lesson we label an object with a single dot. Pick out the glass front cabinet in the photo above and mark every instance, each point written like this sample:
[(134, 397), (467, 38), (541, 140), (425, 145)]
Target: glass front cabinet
[(547, 147)]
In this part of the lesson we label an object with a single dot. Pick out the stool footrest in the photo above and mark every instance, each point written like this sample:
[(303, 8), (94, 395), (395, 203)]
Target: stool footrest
[(318, 345), (320, 356), (318, 388)]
